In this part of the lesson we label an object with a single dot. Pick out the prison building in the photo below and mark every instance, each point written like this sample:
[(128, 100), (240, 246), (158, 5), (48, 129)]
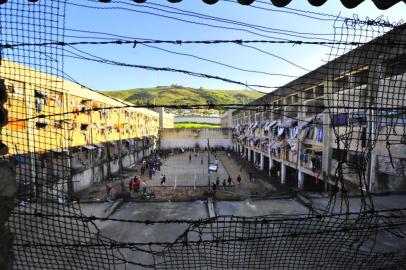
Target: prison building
[(60, 133), (341, 126)]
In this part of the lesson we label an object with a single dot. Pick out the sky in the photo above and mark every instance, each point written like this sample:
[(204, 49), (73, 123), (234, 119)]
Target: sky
[(151, 21)]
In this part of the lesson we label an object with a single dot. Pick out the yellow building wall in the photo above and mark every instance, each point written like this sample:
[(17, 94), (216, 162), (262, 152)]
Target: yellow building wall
[(71, 115)]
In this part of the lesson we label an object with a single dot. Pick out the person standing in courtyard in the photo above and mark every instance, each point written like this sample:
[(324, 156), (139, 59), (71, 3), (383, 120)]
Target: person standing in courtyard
[(162, 179), (250, 176), (108, 192), (239, 179), (190, 157), (224, 184), (229, 180), (218, 181), (150, 172), (253, 177), (144, 187), (130, 185), (136, 184)]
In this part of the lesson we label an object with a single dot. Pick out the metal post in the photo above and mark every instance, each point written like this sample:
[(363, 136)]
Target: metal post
[(120, 160), (208, 161)]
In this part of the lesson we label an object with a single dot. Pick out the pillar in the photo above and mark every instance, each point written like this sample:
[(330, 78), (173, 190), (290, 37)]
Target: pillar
[(261, 162), (300, 180), (283, 174), (248, 154), (254, 160)]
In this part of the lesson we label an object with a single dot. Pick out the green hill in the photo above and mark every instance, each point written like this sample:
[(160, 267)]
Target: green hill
[(178, 95)]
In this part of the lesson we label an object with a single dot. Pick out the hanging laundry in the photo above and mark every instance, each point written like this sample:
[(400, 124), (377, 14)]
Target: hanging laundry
[(320, 134), (38, 105), (280, 131), (339, 119)]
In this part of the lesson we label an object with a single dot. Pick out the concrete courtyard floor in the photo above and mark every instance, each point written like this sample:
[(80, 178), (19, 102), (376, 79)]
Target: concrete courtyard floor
[(189, 180), (183, 198)]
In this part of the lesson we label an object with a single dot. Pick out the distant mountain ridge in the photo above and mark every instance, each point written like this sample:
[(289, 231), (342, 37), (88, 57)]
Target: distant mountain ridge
[(179, 95)]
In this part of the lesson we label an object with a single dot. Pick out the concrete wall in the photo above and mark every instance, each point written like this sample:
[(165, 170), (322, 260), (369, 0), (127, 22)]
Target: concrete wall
[(98, 172), (177, 138), (226, 119), (198, 119)]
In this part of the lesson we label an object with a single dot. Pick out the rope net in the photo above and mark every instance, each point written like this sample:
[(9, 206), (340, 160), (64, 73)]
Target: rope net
[(53, 134)]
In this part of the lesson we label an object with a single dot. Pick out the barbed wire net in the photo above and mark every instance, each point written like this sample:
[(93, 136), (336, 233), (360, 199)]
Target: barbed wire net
[(32, 77), (362, 98)]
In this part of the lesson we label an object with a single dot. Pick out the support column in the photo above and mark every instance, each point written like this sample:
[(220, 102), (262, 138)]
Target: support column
[(328, 135), (283, 173), (261, 162), (254, 160), (300, 180), (248, 154)]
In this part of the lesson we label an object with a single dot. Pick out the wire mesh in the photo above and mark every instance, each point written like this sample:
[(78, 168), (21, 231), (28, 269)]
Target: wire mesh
[(359, 94)]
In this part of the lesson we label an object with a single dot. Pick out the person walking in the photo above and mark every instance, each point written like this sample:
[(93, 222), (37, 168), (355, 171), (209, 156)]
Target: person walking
[(190, 157), (214, 187), (162, 179), (229, 180), (250, 176), (239, 179), (253, 177), (130, 185), (218, 181), (224, 184)]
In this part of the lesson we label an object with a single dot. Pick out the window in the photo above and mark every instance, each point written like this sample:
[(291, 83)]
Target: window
[(339, 154), (83, 127), (395, 66), (309, 94), (341, 83), (295, 98), (319, 91), (356, 160), (360, 78)]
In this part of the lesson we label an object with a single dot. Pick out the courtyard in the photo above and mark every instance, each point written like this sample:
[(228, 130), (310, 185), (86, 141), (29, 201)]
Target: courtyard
[(190, 179)]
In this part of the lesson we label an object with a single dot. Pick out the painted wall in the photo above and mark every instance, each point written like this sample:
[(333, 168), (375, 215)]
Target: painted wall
[(198, 119), (178, 138)]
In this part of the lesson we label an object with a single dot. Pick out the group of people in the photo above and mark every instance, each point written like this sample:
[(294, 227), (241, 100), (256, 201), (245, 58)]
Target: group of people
[(225, 182), (135, 184), (151, 165)]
